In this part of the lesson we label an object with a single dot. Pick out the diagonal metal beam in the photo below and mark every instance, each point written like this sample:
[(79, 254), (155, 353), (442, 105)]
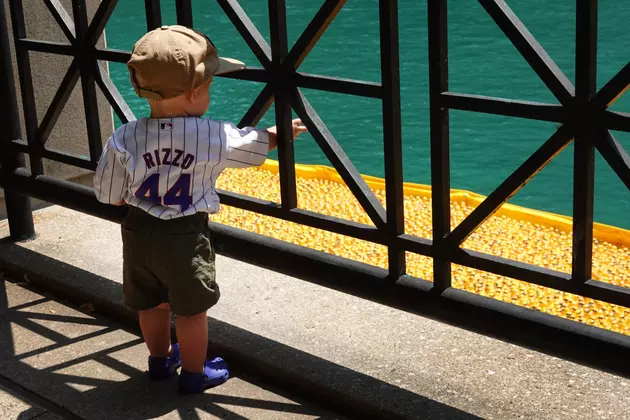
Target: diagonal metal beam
[(248, 31), (613, 89), (113, 96), (261, 105), (100, 19), (62, 17), (313, 32), (530, 49), (342, 163), (517, 180), (615, 154), (59, 102)]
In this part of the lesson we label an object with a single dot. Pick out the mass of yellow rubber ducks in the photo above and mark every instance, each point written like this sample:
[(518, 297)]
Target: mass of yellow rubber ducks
[(500, 235)]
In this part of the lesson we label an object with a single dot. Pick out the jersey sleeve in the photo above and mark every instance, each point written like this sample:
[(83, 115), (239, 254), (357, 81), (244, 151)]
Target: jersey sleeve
[(244, 147), (111, 176)]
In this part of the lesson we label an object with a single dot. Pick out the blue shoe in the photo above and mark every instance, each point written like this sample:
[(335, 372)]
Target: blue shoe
[(215, 372), (163, 367)]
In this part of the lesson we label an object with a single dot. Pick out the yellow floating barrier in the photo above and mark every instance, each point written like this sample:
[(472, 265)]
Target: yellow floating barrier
[(513, 232)]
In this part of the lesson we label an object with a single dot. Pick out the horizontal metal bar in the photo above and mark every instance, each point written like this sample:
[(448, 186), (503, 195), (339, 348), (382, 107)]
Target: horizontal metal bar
[(51, 47), (54, 154), (541, 276), (117, 56), (252, 74), (64, 193), (339, 85), (600, 290), (619, 121), (560, 337), (416, 245), (305, 217), (514, 269), (333, 224), (500, 106)]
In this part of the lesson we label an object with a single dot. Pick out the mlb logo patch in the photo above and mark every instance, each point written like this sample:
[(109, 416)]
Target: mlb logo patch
[(166, 126)]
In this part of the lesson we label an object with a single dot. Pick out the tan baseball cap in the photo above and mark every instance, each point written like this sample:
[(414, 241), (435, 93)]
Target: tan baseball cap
[(172, 60)]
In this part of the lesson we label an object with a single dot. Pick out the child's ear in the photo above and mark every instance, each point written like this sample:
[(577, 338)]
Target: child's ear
[(195, 93)]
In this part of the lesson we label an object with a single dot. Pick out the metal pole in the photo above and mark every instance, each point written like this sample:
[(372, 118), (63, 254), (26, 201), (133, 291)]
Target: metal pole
[(18, 206)]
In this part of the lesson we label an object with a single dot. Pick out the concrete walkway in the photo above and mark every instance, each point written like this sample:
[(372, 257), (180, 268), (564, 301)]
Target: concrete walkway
[(15, 405), (58, 362), (404, 364)]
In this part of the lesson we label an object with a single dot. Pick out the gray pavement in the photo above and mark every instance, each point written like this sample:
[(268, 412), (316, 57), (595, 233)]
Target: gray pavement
[(403, 363), (14, 405), (59, 362)]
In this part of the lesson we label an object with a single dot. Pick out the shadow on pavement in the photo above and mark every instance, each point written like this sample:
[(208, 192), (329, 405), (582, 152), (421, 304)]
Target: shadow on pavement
[(99, 372)]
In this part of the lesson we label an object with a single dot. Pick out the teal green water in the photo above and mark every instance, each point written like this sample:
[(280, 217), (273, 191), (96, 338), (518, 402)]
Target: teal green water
[(485, 149)]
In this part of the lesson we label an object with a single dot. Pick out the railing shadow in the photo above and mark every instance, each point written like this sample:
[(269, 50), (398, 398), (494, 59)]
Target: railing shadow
[(134, 395), (107, 398)]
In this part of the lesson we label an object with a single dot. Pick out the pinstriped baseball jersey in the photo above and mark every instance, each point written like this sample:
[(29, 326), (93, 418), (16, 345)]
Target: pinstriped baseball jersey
[(169, 166)]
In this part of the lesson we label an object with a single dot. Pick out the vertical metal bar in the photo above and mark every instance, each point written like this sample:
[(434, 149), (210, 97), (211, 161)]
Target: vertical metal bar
[(392, 136), (88, 64), (154, 14), (18, 206), (279, 51), (184, 13), (440, 159), (584, 157), (26, 85)]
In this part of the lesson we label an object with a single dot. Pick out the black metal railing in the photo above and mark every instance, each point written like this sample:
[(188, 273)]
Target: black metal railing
[(582, 117)]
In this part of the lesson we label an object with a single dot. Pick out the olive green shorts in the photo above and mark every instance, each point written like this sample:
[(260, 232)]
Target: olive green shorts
[(168, 261)]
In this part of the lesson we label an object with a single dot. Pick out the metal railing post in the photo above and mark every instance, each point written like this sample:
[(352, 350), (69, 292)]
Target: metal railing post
[(18, 206)]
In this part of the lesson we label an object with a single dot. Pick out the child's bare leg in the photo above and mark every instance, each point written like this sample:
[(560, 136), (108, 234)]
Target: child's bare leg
[(192, 336), (155, 324)]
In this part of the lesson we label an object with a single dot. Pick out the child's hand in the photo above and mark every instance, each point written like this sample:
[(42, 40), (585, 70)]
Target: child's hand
[(297, 125)]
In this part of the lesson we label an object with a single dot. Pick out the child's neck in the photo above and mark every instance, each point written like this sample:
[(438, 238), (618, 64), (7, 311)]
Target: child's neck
[(174, 108), (183, 114)]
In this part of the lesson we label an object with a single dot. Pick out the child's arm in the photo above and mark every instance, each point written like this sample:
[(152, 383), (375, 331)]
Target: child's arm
[(297, 129), (248, 147), (110, 178)]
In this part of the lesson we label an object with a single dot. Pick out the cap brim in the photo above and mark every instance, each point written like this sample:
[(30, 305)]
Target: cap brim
[(229, 65)]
